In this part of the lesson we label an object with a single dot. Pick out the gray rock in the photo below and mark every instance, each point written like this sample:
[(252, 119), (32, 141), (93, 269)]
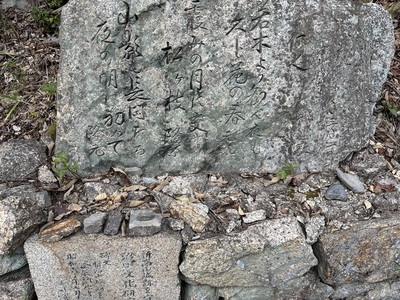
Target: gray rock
[(12, 262), (351, 181), (314, 227), (94, 223), (92, 189), (366, 252), (17, 285), (20, 159), (178, 86), (113, 223), (368, 165), (22, 211), (143, 222), (134, 171), (254, 216), (255, 257), (46, 177), (106, 267), (176, 224), (194, 214), (336, 192), (200, 292), (247, 293)]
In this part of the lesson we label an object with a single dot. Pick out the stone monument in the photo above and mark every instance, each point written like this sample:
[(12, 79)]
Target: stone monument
[(228, 86)]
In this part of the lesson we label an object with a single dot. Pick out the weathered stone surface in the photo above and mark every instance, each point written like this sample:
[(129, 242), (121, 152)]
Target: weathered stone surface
[(104, 267), (351, 181), (143, 222), (47, 178), (60, 229), (176, 224), (219, 86), (247, 293), (314, 227), (368, 165), (268, 254), (22, 210), (13, 261), (200, 292), (113, 223), (20, 159), (254, 216), (336, 192), (94, 223), (17, 285), (367, 252), (194, 214)]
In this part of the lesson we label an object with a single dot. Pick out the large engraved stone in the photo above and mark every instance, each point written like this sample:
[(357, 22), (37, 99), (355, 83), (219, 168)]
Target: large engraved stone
[(206, 85), (91, 267)]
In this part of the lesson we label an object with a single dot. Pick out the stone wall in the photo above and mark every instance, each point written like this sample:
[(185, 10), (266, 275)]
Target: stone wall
[(309, 242)]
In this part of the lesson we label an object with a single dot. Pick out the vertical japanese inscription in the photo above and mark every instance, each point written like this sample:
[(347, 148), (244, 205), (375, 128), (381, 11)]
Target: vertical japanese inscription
[(123, 96)]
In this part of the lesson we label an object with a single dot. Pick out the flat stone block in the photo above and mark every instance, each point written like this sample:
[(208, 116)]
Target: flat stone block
[(273, 253), (88, 267), (225, 86), (113, 223), (143, 222), (94, 223), (369, 251)]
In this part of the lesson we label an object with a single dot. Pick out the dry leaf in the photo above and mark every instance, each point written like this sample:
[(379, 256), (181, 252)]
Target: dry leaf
[(367, 204), (136, 203), (74, 207), (183, 198), (371, 188), (200, 196), (133, 188), (272, 181), (120, 197), (240, 211), (101, 197), (383, 188), (60, 216)]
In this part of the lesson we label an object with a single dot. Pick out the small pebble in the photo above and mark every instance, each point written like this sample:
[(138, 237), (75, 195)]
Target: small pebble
[(351, 181), (336, 192)]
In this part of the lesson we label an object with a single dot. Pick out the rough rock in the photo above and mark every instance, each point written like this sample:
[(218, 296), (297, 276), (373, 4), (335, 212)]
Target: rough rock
[(194, 214), (200, 292), (255, 257), (47, 178), (351, 181), (336, 192), (367, 252), (247, 293), (22, 210), (285, 91), (94, 223), (12, 262), (176, 224), (106, 267), (143, 222), (92, 189), (314, 227), (368, 165), (113, 223), (60, 229), (20, 159), (17, 285), (254, 216)]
